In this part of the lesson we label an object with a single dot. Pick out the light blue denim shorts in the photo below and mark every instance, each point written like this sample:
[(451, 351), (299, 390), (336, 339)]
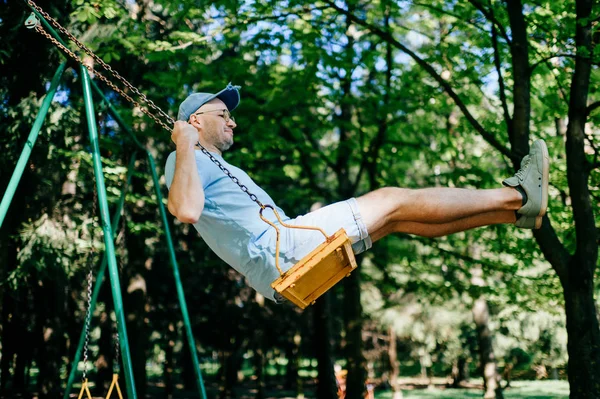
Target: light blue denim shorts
[(331, 218)]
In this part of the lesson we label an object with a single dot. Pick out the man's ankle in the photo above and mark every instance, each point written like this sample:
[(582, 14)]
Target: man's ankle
[(523, 194)]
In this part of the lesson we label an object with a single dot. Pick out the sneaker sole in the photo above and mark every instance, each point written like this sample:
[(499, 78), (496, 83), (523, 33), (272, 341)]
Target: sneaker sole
[(537, 225), (545, 181)]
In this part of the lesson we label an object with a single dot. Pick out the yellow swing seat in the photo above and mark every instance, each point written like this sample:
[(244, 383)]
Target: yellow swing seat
[(85, 389), (318, 271)]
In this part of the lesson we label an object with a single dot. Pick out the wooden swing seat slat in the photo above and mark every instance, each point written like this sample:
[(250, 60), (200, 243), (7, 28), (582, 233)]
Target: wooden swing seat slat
[(318, 271)]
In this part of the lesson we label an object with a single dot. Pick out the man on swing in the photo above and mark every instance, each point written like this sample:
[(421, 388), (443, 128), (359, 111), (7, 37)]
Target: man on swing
[(228, 220)]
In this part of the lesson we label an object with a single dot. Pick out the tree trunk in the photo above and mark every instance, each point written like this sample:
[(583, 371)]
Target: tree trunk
[(584, 339), (8, 340), (49, 297), (356, 378), (185, 363), (259, 368), (292, 380), (491, 378), (10, 298), (136, 329), (394, 364), (460, 372), (519, 49), (355, 383), (582, 322), (227, 375), (424, 361), (24, 346), (232, 364), (171, 336), (106, 345), (508, 367), (326, 385)]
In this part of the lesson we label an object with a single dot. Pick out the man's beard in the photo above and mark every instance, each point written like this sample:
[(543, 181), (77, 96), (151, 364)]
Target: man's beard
[(222, 141), (225, 144)]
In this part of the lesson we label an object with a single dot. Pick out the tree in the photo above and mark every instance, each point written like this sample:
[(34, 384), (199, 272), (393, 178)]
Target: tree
[(575, 270)]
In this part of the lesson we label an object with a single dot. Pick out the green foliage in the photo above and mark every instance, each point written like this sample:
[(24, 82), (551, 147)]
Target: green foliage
[(91, 12)]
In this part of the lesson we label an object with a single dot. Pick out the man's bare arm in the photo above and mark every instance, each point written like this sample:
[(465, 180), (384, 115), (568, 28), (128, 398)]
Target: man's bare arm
[(186, 196)]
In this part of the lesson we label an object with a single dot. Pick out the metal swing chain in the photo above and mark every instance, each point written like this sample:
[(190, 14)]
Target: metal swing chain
[(78, 59), (123, 250), (147, 101), (116, 361), (100, 61), (90, 277), (87, 322)]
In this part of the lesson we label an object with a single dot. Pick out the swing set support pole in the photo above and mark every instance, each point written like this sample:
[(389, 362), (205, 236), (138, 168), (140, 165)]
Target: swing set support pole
[(180, 293), (28, 147), (159, 199), (108, 235), (100, 277)]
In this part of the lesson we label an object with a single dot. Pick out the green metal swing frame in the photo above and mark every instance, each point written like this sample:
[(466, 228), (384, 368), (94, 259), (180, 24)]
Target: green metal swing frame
[(108, 227)]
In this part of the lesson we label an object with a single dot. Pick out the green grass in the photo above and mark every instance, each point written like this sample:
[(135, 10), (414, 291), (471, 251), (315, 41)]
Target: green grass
[(518, 390)]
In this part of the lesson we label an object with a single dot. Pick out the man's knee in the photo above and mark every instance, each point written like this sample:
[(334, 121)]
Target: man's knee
[(387, 193), (380, 207)]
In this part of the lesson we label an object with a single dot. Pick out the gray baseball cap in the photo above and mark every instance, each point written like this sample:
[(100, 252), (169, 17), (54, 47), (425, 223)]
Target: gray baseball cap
[(229, 95)]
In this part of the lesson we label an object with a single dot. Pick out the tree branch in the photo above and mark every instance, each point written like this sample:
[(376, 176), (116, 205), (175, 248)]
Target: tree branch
[(315, 145), (553, 250), (420, 32), (593, 145), (365, 155), (492, 18), (561, 89), (446, 12), (276, 18), (577, 176), (429, 69), (592, 107), (260, 17), (501, 87), (434, 243), (370, 158), (399, 143), (545, 59), (314, 186), (307, 167)]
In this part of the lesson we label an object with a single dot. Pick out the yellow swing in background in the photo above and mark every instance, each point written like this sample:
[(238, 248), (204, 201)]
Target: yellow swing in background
[(85, 388), (115, 384)]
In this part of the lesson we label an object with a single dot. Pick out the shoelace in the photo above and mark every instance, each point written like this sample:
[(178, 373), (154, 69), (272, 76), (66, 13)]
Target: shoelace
[(524, 164)]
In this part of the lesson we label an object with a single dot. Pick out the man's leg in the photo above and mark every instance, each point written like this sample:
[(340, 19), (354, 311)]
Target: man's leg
[(386, 207), (434, 212), (442, 229)]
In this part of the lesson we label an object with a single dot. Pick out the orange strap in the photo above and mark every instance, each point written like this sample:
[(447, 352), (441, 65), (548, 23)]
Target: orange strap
[(285, 225)]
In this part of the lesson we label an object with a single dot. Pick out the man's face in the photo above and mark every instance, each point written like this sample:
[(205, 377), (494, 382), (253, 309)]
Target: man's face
[(214, 129)]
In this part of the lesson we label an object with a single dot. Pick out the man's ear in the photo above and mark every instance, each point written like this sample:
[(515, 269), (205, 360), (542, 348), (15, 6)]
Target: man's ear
[(196, 122)]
